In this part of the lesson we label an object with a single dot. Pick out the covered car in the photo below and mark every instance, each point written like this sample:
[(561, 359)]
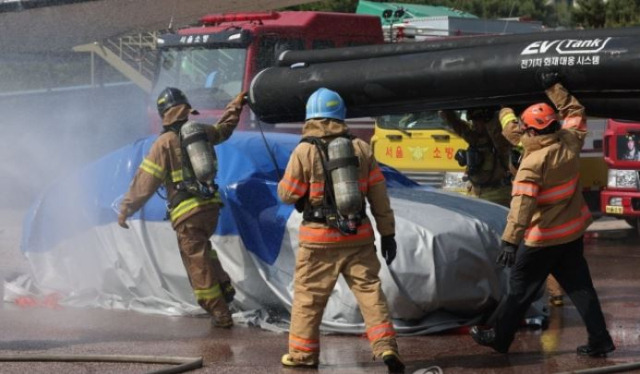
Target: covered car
[(444, 275)]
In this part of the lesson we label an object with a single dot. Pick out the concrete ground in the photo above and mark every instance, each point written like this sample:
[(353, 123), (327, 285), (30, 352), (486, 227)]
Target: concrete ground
[(613, 255)]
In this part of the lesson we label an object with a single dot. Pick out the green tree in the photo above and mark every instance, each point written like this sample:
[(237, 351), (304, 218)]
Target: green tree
[(562, 17), (590, 13), (622, 13), (534, 9), (344, 6), (538, 10)]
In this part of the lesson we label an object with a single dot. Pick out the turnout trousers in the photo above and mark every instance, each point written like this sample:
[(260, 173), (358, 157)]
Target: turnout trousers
[(201, 261), (567, 264), (316, 273)]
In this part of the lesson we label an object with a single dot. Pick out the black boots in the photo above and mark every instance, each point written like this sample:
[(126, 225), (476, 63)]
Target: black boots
[(487, 338), (393, 362), (596, 349), (228, 292)]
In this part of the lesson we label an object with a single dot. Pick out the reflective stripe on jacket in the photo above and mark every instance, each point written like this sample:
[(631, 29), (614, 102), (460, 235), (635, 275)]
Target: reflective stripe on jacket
[(304, 176), (547, 206), (163, 165)]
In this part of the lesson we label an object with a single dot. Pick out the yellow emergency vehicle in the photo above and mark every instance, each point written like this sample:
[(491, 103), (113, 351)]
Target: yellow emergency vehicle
[(422, 147)]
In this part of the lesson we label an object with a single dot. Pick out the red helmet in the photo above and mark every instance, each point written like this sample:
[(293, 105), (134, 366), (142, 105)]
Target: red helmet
[(539, 116)]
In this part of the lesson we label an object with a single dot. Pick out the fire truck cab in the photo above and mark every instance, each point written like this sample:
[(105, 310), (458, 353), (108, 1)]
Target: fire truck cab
[(216, 59), (621, 197)]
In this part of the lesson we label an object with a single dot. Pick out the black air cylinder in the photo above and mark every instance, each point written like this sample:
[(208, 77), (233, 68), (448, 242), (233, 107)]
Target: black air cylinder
[(600, 67)]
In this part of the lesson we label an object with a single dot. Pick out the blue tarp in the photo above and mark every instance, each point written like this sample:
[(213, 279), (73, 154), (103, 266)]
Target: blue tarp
[(444, 275)]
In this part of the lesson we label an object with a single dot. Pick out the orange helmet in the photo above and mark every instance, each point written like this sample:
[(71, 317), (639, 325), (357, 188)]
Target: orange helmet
[(539, 116)]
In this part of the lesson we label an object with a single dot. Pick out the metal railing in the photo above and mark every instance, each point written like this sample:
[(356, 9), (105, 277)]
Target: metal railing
[(133, 55), (138, 51)]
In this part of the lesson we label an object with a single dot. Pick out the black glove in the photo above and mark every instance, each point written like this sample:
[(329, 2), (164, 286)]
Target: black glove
[(507, 256), (389, 246), (548, 78), (300, 203)]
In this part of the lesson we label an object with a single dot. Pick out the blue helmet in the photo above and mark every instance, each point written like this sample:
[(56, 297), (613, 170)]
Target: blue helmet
[(325, 103)]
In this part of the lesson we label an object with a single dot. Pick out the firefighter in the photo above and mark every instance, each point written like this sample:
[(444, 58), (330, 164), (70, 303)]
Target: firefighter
[(487, 160), (514, 134), (494, 158), (193, 206), (328, 177), (631, 153), (549, 213)]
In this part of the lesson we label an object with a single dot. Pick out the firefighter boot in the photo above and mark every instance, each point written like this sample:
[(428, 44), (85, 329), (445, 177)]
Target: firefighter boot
[(222, 320), (228, 292), (599, 349), (288, 361), (393, 362), (486, 337), (556, 300)]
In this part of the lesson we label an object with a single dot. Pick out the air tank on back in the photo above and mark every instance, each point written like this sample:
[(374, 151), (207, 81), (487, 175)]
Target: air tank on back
[(199, 150), (600, 67), (346, 186)]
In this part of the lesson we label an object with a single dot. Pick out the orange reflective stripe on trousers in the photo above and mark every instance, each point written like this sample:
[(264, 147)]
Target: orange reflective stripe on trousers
[(380, 331), (305, 345)]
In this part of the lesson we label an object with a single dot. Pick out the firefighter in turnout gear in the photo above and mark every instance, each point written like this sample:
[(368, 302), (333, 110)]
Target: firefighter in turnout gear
[(487, 160), (549, 213), (329, 183), (193, 204), (514, 132)]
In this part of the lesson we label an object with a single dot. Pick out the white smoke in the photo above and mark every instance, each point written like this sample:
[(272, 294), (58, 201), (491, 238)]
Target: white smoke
[(48, 135)]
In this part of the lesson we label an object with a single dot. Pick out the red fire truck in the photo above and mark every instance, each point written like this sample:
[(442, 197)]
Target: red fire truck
[(621, 197), (217, 58)]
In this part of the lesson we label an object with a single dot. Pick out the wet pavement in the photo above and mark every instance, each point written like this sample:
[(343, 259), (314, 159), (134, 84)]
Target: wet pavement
[(613, 256)]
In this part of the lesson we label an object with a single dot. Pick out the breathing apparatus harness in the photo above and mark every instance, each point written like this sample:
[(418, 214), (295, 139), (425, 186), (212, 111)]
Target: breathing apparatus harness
[(473, 158), (190, 186), (328, 213)]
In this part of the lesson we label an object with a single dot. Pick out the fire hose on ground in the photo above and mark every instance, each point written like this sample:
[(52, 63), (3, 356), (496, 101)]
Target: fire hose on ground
[(184, 364)]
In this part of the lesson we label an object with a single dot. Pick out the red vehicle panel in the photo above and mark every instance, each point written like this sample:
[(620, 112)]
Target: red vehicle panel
[(621, 197), (218, 58)]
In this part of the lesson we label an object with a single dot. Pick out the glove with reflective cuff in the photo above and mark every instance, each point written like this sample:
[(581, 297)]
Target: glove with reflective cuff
[(389, 247), (507, 256), (507, 116)]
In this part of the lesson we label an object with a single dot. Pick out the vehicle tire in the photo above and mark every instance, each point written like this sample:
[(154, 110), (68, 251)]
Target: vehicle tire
[(635, 223)]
